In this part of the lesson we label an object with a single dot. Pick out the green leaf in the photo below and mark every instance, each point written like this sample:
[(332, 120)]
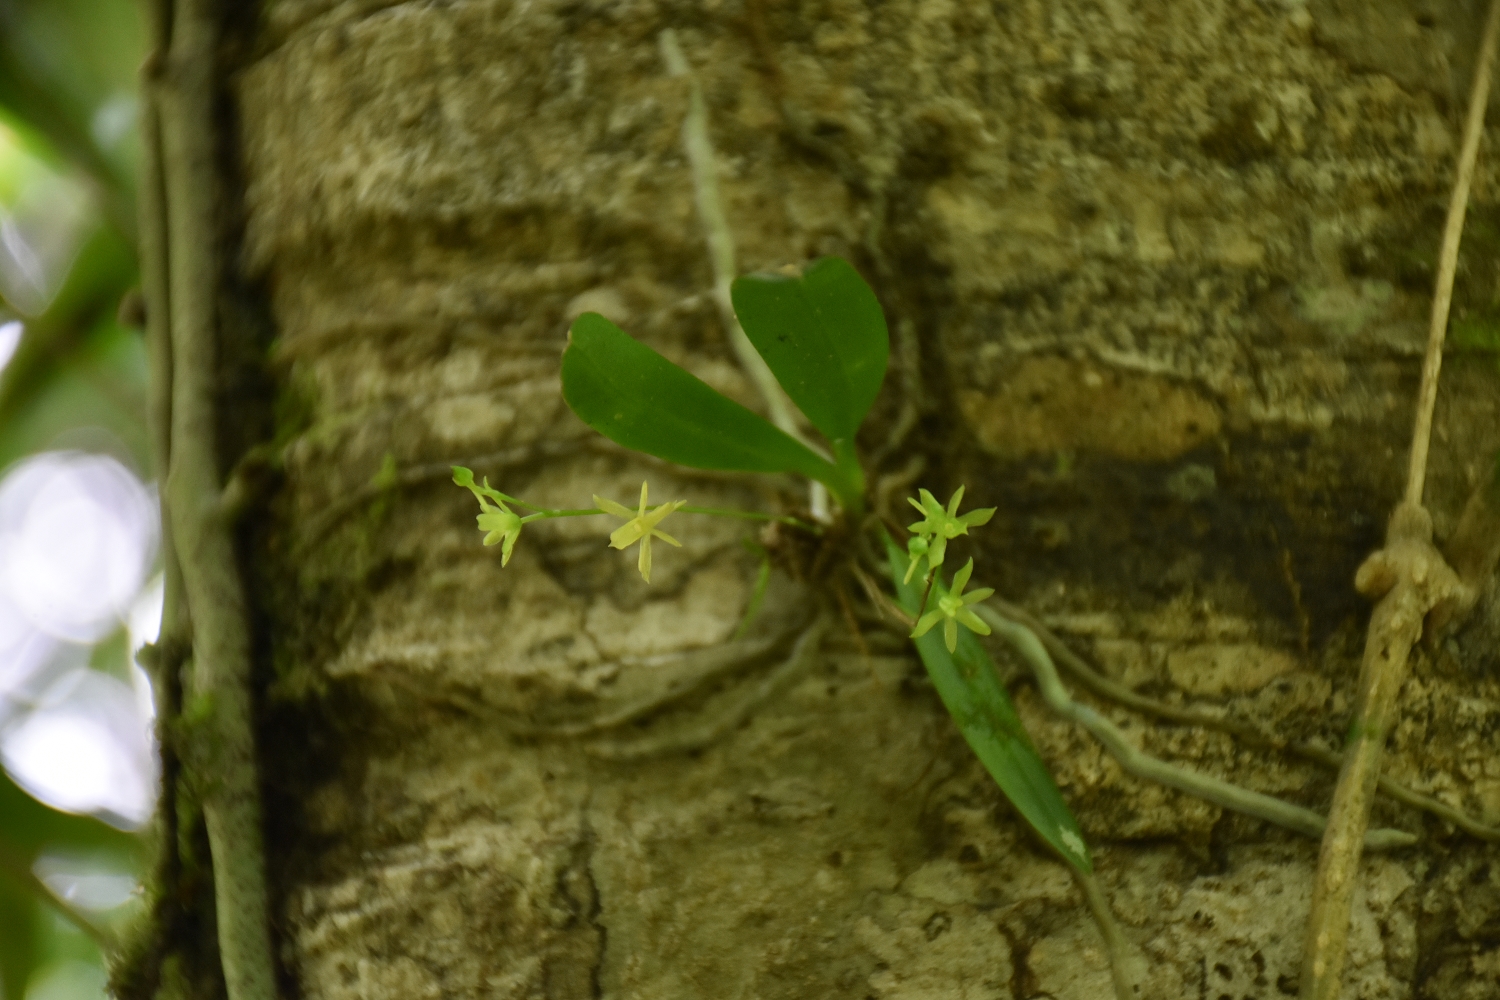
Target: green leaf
[(27, 826), (635, 397), (823, 335), (20, 951), (970, 688)]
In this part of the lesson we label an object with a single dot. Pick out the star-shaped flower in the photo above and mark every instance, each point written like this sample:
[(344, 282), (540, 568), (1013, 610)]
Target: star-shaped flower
[(939, 525), (502, 525), (497, 520), (639, 526), (953, 610)]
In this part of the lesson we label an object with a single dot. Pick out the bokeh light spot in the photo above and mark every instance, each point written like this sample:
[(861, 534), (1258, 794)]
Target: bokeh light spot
[(85, 749), (10, 339), (77, 536)]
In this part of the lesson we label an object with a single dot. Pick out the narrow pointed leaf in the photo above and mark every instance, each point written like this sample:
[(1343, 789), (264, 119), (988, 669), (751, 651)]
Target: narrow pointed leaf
[(970, 689), (823, 335), (635, 397)]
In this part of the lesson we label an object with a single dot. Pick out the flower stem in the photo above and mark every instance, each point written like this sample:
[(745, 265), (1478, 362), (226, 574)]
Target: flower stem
[(545, 513), (751, 515)]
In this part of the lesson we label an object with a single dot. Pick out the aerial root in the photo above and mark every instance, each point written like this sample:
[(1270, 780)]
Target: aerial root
[(1143, 765)]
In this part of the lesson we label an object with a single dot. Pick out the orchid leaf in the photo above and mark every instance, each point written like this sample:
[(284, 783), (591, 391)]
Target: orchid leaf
[(637, 398), (970, 688), (823, 335)]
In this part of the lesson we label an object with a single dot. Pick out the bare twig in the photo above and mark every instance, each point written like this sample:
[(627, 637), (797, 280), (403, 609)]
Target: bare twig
[(1409, 577), (1442, 298), (172, 643), (220, 678), (156, 287)]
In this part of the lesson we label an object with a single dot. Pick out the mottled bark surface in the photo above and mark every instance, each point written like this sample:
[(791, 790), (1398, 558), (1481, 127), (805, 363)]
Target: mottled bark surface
[(1167, 266)]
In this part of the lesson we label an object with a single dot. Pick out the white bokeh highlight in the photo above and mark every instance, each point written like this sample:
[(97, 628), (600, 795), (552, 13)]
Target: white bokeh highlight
[(84, 748), (24, 649), (77, 538), (86, 883), (10, 339), (144, 624)]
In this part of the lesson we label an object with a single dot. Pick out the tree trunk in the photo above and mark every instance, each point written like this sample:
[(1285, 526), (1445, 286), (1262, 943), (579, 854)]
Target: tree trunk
[(1157, 273)]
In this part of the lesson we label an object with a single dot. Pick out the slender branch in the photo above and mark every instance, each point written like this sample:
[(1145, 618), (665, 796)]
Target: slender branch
[(1442, 298), (173, 641), (1410, 578), (1143, 765), (156, 287), (221, 645)]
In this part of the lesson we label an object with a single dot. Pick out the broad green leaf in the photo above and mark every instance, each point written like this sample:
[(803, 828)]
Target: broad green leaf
[(970, 689), (635, 397), (824, 337)]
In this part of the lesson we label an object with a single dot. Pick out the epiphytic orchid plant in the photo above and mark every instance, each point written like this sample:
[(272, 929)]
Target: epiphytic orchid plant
[(823, 335)]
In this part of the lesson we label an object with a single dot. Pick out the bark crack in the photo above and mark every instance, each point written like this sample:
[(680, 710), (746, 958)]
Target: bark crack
[(595, 906)]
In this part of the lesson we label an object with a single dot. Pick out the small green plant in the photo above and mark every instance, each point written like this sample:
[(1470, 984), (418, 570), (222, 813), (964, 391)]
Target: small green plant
[(823, 335)]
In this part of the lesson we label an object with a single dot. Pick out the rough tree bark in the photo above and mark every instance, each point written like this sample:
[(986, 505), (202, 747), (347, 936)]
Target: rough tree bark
[(1159, 270)]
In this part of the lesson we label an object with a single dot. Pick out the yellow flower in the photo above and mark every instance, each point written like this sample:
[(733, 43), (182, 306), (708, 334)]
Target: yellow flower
[(953, 610), (939, 525), (497, 520), (639, 526), (502, 524)]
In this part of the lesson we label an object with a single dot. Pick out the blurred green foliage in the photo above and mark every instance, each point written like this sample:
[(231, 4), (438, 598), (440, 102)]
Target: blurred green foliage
[(68, 152), (1480, 333)]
